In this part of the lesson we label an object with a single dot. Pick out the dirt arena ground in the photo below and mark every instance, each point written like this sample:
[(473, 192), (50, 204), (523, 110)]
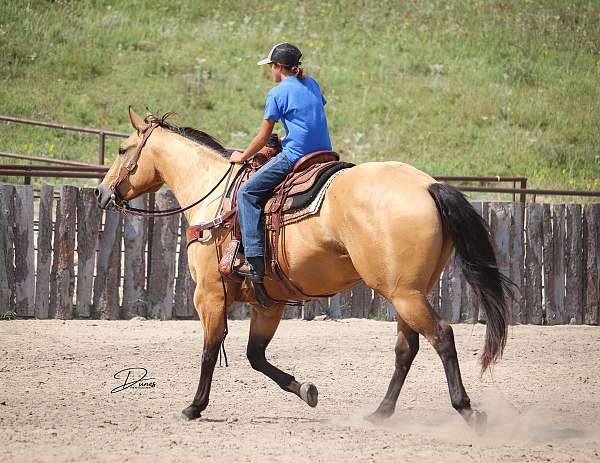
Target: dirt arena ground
[(543, 401)]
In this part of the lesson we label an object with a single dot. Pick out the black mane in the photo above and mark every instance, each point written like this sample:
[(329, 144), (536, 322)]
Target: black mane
[(195, 135)]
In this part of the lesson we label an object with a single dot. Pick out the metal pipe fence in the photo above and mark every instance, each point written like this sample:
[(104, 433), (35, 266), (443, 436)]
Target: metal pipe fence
[(88, 170), (102, 134)]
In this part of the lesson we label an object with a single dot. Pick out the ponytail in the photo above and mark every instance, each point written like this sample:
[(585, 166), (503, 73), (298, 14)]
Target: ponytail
[(296, 70)]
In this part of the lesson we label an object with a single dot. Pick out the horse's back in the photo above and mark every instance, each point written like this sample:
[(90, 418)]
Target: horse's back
[(388, 192), (394, 180)]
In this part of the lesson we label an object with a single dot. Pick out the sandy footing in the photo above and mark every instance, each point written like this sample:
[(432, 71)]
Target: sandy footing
[(542, 400)]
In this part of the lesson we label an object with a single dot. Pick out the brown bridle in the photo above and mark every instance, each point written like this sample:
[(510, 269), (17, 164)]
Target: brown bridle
[(126, 170)]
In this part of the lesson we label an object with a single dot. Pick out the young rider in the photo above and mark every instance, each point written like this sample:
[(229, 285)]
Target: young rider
[(298, 103)]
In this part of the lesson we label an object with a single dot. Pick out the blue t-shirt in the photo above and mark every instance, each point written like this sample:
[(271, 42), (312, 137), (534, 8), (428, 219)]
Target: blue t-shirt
[(298, 103)]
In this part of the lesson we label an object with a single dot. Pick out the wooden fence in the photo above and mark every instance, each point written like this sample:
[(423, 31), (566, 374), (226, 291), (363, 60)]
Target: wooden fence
[(63, 257)]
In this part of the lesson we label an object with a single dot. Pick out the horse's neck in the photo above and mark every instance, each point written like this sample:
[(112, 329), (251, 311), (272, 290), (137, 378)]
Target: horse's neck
[(190, 171)]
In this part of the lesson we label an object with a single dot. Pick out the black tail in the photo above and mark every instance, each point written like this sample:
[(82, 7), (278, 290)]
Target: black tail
[(472, 243)]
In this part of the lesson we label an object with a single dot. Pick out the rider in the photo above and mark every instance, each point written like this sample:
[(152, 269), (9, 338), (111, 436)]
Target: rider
[(298, 102)]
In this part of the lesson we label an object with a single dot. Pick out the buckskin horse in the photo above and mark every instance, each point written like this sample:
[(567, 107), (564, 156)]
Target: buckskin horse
[(385, 223)]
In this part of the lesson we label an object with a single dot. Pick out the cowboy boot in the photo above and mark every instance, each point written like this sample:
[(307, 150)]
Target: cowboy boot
[(253, 269)]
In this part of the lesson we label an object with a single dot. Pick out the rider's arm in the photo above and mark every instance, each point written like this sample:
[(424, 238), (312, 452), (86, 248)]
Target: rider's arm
[(266, 128)]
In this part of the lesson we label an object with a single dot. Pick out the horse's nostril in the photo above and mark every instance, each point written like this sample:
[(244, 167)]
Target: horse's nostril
[(97, 192)]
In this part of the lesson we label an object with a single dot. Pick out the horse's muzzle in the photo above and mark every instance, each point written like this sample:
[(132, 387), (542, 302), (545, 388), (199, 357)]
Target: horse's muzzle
[(104, 196)]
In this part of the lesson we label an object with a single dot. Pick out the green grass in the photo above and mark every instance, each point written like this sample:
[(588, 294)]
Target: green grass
[(8, 315), (458, 87)]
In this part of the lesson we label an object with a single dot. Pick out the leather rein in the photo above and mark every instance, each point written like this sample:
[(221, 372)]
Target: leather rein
[(123, 206)]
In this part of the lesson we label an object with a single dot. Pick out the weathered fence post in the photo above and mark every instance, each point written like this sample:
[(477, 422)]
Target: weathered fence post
[(184, 284), (434, 297), (65, 272), (24, 264), (309, 309), (345, 301), (89, 216), (134, 276), (291, 312), (469, 302), (323, 306), (485, 213), (592, 264), (7, 265), (500, 226), (378, 306), (44, 252), (574, 265), (554, 264), (361, 301), (335, 311), (390, 312), (451, 290), (239, 311), (532, 288), (517, 261), (54, 267), (108, 268), (164, 244)]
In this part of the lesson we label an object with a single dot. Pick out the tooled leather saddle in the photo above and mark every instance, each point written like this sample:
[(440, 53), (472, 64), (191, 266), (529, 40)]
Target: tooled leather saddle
[(297, 197)]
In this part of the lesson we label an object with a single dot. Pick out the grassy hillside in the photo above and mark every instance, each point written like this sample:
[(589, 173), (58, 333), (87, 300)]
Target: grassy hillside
[(454, 87)]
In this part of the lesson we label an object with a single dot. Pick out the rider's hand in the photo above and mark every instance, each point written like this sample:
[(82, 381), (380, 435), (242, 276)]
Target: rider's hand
[(236, 157)]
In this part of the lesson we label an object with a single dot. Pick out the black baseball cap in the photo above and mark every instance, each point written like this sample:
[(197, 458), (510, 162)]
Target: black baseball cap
[(283, 53)]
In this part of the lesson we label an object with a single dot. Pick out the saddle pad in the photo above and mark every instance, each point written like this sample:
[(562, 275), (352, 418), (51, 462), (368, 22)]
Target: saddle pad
[(296, 215), (303, 199), (307, 190)]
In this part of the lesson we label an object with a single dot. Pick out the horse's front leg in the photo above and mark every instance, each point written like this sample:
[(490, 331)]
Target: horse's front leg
[(263, 325), (211, 310)]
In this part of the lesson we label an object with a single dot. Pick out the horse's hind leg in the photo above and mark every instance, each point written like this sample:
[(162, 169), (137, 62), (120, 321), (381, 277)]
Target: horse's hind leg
[(263, 325), (407, 346), (414, 309)]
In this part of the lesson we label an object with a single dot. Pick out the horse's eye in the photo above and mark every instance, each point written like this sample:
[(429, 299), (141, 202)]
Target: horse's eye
[(122, 151)]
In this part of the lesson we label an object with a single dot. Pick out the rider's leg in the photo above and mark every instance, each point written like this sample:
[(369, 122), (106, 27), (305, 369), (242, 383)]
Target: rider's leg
[(250, 200)]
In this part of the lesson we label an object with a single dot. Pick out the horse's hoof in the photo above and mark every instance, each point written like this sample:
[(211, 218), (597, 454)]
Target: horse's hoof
[(191, 413), (476, 419), (309, 393), (377, 417)]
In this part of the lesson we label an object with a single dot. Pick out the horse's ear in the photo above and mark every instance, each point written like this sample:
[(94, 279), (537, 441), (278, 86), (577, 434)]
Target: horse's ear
[(136, 121)]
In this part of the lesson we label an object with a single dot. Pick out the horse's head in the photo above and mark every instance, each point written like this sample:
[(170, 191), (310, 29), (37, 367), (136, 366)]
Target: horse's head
[(134, 171)]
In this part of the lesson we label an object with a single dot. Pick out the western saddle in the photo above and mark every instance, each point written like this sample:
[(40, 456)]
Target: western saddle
[(297, 197)]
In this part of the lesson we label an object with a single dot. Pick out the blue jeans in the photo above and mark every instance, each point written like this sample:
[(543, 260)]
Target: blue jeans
[(251, 198)]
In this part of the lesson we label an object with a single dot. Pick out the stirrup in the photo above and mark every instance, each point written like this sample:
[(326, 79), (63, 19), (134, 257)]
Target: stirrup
[(261, 295)]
